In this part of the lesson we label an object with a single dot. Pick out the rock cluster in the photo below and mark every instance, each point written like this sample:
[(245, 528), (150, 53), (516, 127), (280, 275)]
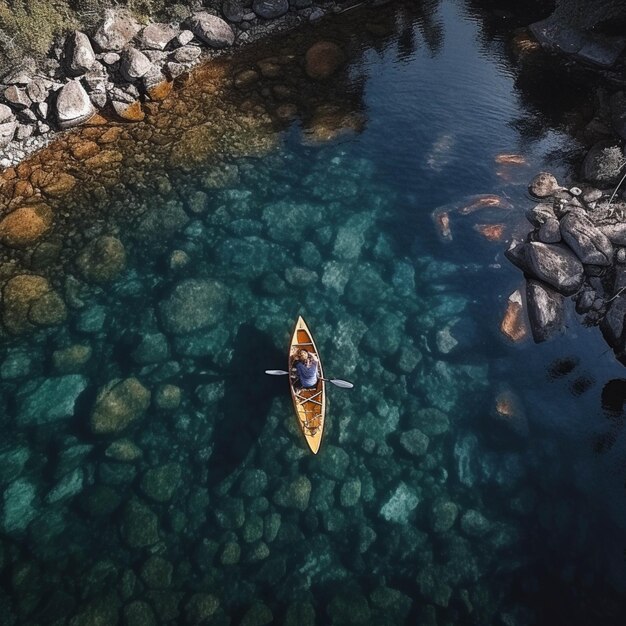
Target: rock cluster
[(576, 249), (121, 64)]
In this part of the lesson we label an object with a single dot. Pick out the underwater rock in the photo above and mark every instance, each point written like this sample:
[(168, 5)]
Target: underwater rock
[(200, 607), (210, 29), (432, 422), (545, 311), (19, 509), (167, 397), (123, 450), (300, 613), (323, 59), (12, 462), (350, 492), (385, 335), (91, 320), (392, 604), (414, 441), (73, 105), (139, 525), (71, 359), (349, 607), (509, 410), (400, 505), (192, 305), (46, 400), (115, 30), (335, 462), (70, 485), (156, 572), (514, 325), (17, 364), (474, 523), (160, 483), (350, 238), (102, 260), (253, 482), (79, 55), (231, 553), (118, 404), (270, 9), (153, 348), (258, 614), (139, 613), (25, 225), (295, 494), (443, 515)]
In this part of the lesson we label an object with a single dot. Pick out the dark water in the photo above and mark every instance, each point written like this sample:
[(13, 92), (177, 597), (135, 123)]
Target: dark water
[(423, 506)]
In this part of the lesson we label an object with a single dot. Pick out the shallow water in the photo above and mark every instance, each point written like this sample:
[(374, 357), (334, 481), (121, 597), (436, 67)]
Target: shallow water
[(422, 506)]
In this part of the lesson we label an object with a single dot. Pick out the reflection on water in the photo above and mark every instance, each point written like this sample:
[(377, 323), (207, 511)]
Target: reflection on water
[(151, 473)]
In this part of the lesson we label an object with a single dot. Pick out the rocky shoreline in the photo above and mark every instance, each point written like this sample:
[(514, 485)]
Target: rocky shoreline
[(112, 72)]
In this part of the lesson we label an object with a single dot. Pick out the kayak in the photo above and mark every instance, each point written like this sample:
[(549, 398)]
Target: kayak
[(309, 404)]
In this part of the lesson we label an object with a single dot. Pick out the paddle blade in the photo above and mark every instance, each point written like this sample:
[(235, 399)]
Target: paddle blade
[(276, 372), (344, 384)]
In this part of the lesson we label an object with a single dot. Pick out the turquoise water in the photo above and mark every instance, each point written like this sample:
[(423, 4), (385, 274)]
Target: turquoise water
[(423, 506)]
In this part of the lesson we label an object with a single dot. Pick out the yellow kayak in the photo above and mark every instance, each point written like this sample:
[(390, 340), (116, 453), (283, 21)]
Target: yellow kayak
[(309, 404)]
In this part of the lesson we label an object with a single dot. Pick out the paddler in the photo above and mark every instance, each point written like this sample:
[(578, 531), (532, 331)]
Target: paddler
[(307, 368)]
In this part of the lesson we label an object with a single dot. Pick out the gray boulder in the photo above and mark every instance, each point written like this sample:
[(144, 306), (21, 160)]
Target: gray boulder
[(612, 324), (543, 185), (554, 264), (73, 106), (38, 90), (134, 64), (210, 29), (8, 125), (193, 304), (17, 98), (589, 243), (545, 311), (550, 231), (270, 9), (603, 164), (233, 10), (157, 36), (115, 31), (79, 55), (47, 400), (615, 233)]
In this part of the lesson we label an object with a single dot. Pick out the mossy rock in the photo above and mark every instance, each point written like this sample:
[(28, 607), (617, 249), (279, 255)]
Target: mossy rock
[(118, 404)]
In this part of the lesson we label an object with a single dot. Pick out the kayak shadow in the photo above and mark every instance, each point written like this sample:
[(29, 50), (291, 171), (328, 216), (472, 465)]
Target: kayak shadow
[(248, 396)]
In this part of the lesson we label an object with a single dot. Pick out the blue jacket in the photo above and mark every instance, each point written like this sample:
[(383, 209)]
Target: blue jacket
[(307, 373)]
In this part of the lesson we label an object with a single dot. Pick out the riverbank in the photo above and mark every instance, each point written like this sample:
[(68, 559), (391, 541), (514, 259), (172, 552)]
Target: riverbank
[(119, 66)]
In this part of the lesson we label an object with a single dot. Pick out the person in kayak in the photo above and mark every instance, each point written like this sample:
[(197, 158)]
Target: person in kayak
[(307, 369)]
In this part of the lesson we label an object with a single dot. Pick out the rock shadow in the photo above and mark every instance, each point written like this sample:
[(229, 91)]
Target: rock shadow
[(248, 395)]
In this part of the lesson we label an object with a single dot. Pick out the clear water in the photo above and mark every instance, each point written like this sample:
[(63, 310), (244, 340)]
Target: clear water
[(422, 506)]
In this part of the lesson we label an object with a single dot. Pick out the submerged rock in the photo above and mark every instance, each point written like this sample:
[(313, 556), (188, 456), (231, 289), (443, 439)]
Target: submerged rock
[(294, 495), (49, 400), (200, 608), (545, 311), (119, 403), (102, 260), (139, 525), (400, 505), (415, 442), (19, 509), (193, 304), (323, 59), (443, 515), (160, 483), (25, 225)]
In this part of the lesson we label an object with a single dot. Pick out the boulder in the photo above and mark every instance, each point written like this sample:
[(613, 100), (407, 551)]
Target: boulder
[(17, 98), (140, 526), (294, 495), (603, 164), (612, 324), (210, 29), (474, 523), (544, 185), (43, 401), (414, 441), (157, 36), (8, 125), (160, 483), (270, 9), (554, 264), (134, 64), (25, 225), (323, 59), (79, 55), (73, 106), (118, 404), (550, 231), (443, 515), (233, 10), (186, 54), (19, 509), (514, 325), (102, 260), (545, 311), (115, 30), (589, 243), (28, 301), (200, 607), (615, 233), (399, 506), (192, 305)]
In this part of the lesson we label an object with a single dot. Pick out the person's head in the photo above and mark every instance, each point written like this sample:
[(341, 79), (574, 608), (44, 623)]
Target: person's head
[(303, 355)]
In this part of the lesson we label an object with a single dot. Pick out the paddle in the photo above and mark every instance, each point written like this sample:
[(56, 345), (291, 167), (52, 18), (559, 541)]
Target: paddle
[(344, 384)]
